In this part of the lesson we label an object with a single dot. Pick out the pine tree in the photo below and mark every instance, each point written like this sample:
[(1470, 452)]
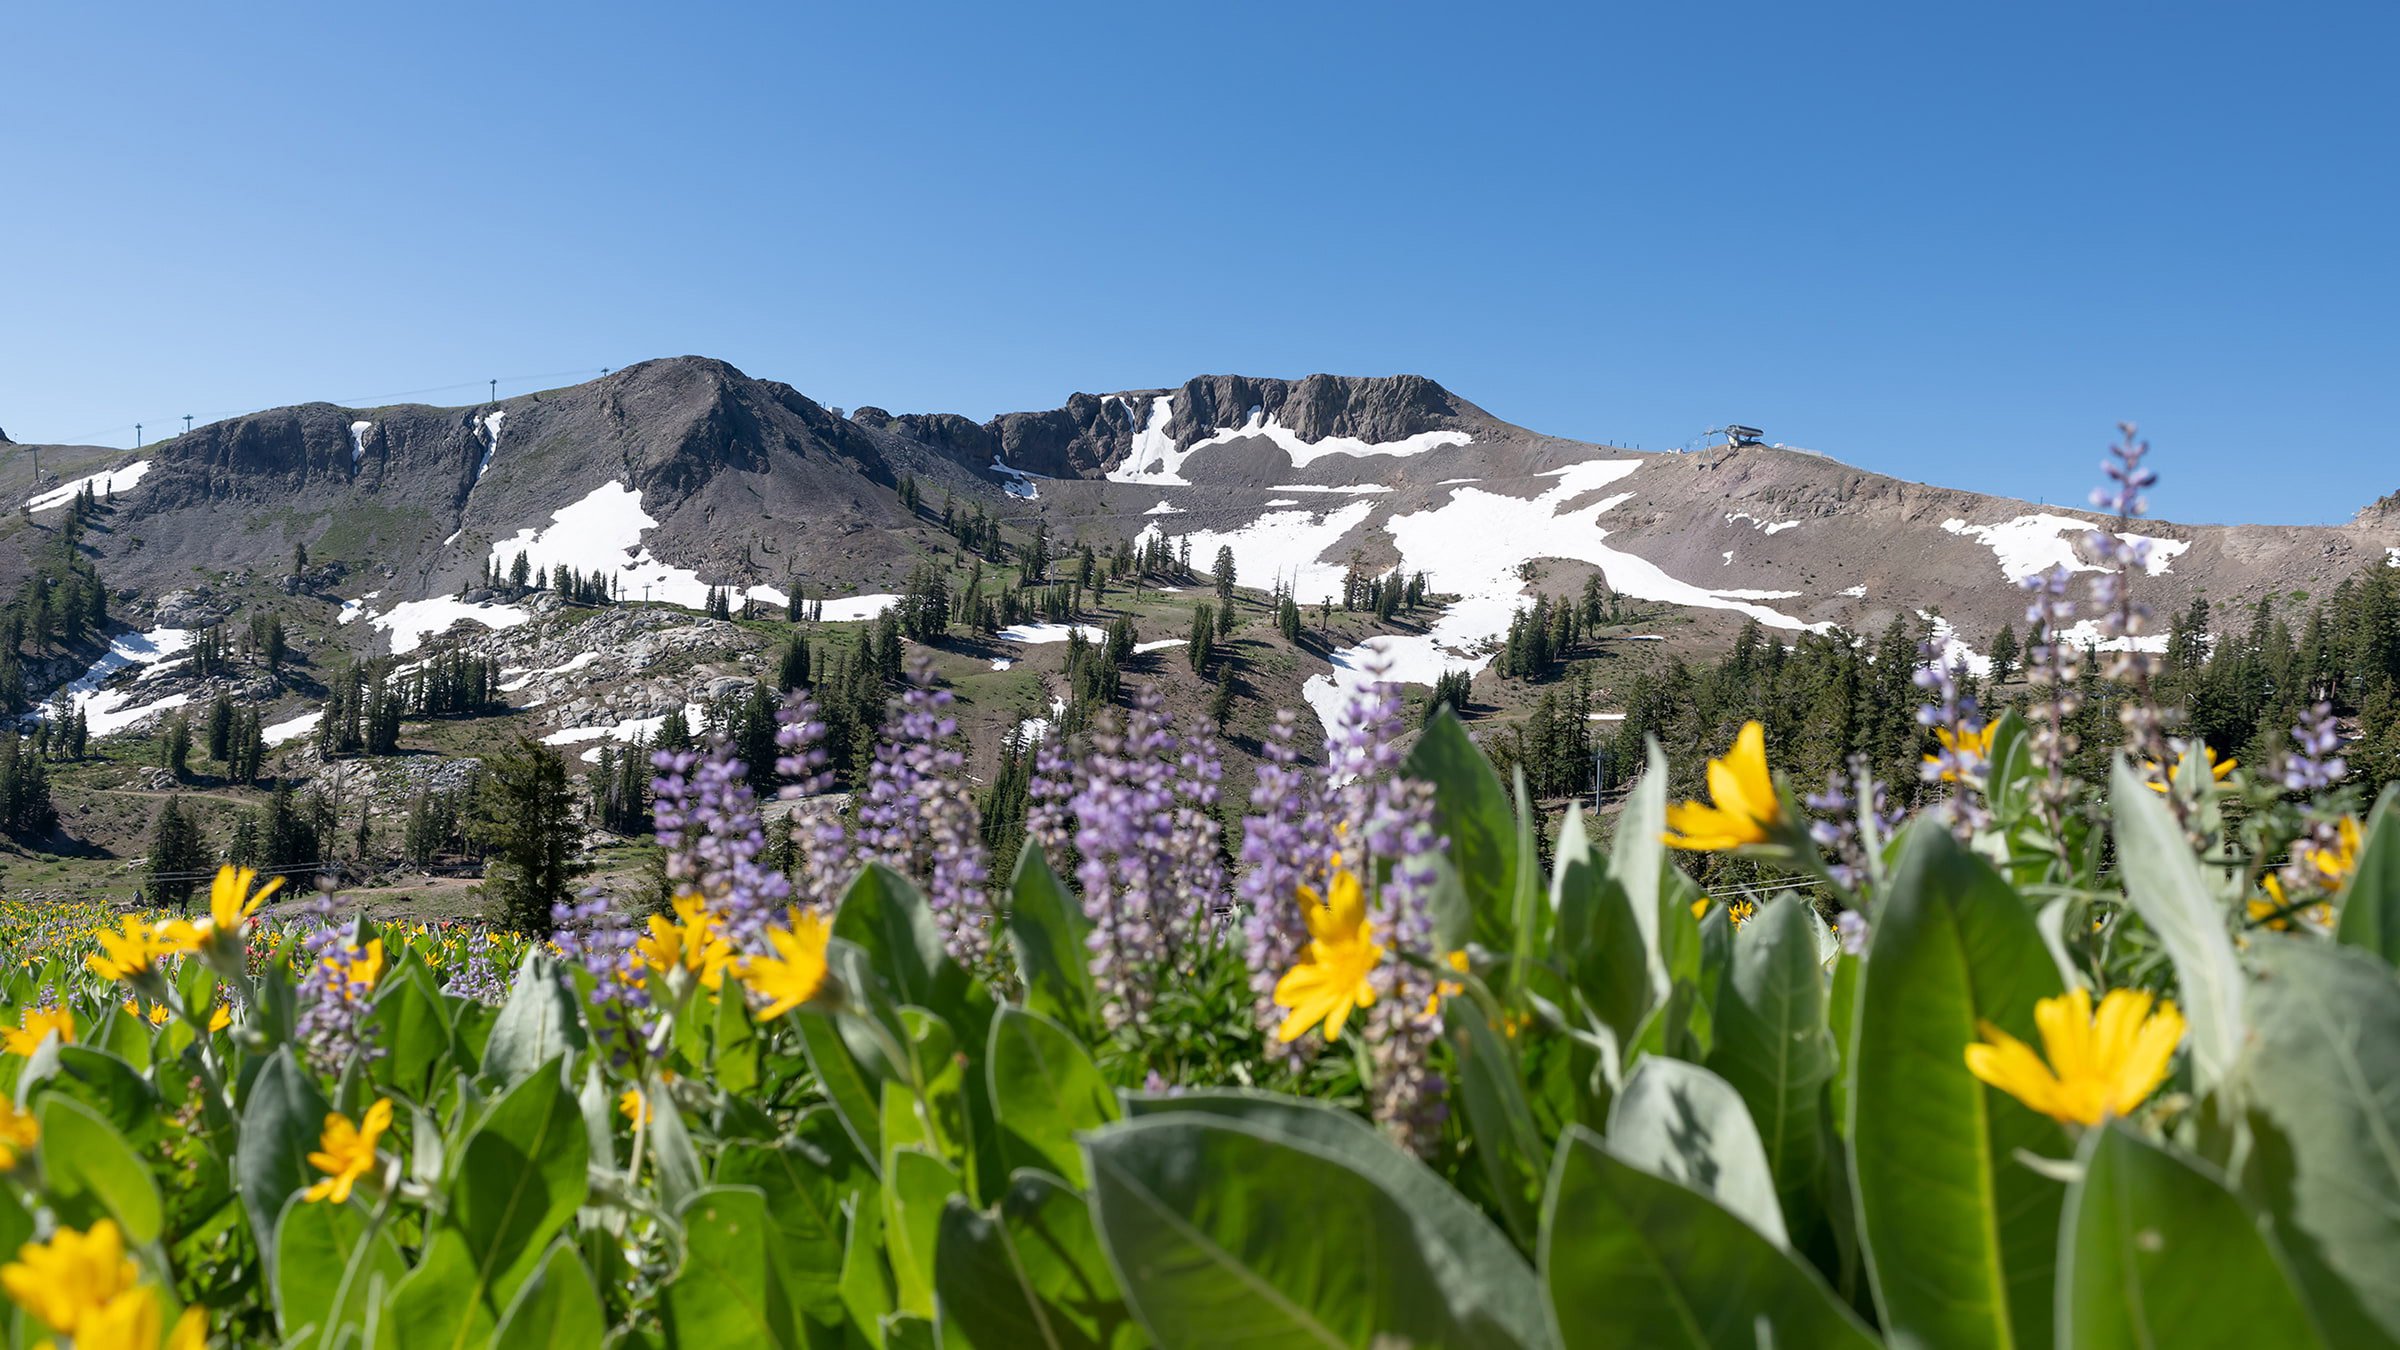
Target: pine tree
[(527, 817), (178, 857)]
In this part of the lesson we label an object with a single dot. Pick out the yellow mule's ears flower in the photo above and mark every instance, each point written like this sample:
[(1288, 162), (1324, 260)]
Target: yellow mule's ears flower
[(347, 1152), (19, 1132), (69, 1280), (2092, 1066), (1743, 808), (136, 949), (1332, 978), (690, 943), (2160, 780), (34, 1026), (795, 973), (231, 903), (1974, 744)]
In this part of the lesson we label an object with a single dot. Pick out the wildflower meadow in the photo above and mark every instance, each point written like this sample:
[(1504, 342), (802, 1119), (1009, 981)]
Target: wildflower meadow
[(1378, 1057)]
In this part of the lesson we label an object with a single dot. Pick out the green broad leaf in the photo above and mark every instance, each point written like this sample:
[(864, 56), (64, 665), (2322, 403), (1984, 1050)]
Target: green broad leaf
[(323, 1266), (1472, 809), (1528, 919), (126, 1036), (89, 1171), (986, 1294), (2156, 1252), (1045, 1089), (1598, 937), (916, 1187), (16, 1222), (1508, 1144), (1841, 1021), (808, 1179), (1678, 1121), (854, 1093), (437, 1306), (1634, 1260), (2166, 886), (558, 1308), (520, 1177), (2010, 770), (413, 1031), (888, 919), (1773, 1044), (733, 1066), (2325, 1065), (111, 1086), (905, 1331), (679, 1173), (1481, 1265), (1960, 1236), (282, 1121), (1046, 929), (537, 1024), (1225, 1233), (868, 1294), (727, 1292), (1637, 859), (2370, 915), (1030, 1273)]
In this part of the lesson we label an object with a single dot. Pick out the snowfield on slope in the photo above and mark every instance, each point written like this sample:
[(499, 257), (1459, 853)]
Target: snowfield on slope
[(1154, 458), (2035, 543), (603, 533), (101, 484), (411, 621), (111, 710)]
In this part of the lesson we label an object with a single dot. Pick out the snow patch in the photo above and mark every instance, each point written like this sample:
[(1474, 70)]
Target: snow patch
[(1159, 646), (292, 730), (101, 484), (1016, 482), (623, 732), (1856, 592), (1154, 458), (1050, 632), (603, 533), (358, 443), (575, 663), (411, 621), (851, 609), (487, 425), (2032, 544), (1354, 489), (1001, 663), (110, 710), (1762, 526), (1472, 545), (1286, 545), (1950, 650), (1286, 501), (1164, 508), (354, 610)]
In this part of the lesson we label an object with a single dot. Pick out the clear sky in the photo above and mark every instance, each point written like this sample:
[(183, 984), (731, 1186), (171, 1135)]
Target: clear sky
[(1950, 242)]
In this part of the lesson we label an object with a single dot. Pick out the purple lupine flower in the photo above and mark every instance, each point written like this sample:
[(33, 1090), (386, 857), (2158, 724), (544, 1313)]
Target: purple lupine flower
[(1958, 737), (1047, 822), (1837, 830), (826, 867), (593, 935), (476, 978), (1853, 929), (708, 822), (2317, 764), (2053, 665), (1146, 837), (918, 817), (333, 1026), (1287, 843)]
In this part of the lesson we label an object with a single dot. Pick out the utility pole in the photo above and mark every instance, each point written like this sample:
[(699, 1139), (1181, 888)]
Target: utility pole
[(137, 435), (187, 424), (495, 391)]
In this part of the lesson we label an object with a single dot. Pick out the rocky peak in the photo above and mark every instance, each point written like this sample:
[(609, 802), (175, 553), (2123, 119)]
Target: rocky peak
[(2384, 510)]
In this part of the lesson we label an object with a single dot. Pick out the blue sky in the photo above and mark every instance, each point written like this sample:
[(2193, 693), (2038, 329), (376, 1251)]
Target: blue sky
[(1953, 243)]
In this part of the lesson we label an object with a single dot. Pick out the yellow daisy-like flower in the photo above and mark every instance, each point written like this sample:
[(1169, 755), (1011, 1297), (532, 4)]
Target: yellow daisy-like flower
[(1330, 981), (795, 973), (219, 1018), (634, 1105), (19, 1131), (2097, 1066), (1740, 911), (131, 1322), (158, 1014), (1974, 744), (2335, 866), (1743, 808), (692, 943), (359, 970), (231, 903), (2160, 781), (136, 949), (347, 1151), (70, 1279), (34, 1026)]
